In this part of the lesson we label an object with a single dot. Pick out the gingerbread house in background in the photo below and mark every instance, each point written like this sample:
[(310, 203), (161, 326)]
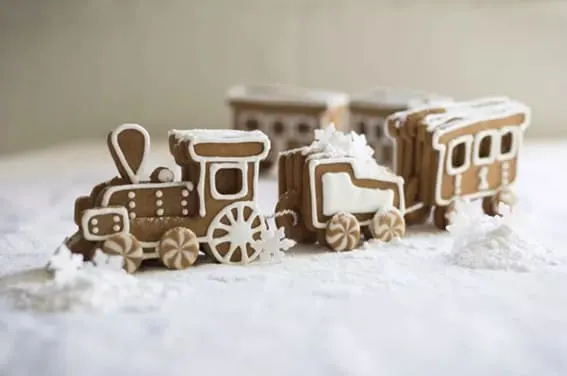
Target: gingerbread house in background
[(368, 111), (287, 114)]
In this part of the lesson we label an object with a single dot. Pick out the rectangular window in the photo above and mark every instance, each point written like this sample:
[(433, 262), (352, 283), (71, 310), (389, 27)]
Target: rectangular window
[(228, 181)]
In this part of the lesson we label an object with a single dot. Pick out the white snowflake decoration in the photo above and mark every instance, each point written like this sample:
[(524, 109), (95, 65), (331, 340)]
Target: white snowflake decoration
[(272, 245), (64, 260), (332, 142), (105, 261)]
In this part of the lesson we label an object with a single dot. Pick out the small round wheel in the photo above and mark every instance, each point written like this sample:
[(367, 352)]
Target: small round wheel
[(441, 216), (418, 216), (127, 246), (293, 223), (178, 248), (491, 205), (343, 232), (233, 232), (387, 225)]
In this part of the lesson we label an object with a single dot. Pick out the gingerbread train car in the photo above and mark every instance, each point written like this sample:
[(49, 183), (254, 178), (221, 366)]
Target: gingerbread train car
[(212, 207), (462, 150), (333, 191)]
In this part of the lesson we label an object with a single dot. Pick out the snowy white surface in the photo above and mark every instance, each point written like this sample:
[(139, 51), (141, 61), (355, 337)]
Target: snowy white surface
[(403, 309)]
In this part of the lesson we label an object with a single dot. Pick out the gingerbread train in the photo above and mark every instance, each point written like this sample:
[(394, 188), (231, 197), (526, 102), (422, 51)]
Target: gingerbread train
[(332, 192)]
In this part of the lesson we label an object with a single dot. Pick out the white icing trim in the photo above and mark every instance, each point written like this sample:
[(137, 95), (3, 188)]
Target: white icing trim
[(108, 192), (216, 167), (458, 185), (467, 139), (222, 136), (88, 214), (133, 176), (278, 93), (483, 178), (201, 189), (494, 135), (358, 172)]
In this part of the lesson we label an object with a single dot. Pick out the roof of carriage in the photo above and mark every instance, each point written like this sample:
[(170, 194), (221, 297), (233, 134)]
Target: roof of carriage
[(459, 114)]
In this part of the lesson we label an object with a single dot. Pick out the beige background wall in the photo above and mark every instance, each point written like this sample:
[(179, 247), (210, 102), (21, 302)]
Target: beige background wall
[(75, 68)]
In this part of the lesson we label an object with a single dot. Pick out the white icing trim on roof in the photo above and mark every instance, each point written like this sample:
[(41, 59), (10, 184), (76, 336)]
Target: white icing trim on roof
[(222, 136), (278, 93), (399, 97)]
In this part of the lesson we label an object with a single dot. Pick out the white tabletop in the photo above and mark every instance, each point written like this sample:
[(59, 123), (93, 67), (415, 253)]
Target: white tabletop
[(392, 310)]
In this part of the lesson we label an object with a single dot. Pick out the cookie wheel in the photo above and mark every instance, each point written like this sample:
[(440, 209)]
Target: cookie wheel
[(343, 232), (491, 205), (441, 215), (127, 246), (288, 216), (387, 225), (178, 248), (233, 232)]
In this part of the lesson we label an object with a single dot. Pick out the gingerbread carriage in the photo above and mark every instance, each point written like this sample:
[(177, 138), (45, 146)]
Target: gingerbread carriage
[(465, 150), (333, 197), (211, 207)]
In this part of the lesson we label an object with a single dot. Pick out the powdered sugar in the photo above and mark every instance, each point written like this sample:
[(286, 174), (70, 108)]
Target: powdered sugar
[(497, 243), (73, 285)]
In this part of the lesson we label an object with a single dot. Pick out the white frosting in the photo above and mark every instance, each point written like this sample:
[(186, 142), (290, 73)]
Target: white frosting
[(341, 195), (399, 97), (89, 214), (287, 94)]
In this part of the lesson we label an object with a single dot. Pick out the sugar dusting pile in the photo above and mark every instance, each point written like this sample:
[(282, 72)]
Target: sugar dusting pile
[(74, 285), (496, 243)]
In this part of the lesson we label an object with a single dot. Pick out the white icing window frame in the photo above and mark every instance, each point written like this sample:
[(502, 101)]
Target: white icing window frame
[(515, 143), (216, 167), (494, 145), (467, 140)]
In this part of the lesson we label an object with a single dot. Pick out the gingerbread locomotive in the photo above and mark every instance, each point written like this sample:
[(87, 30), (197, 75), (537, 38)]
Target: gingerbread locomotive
[(212, 207)]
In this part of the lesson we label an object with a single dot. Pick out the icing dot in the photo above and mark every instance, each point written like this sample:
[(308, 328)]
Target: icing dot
[(132, 215), (95, 230), (116, 228), (159, 202), (159, 212), (116, 219), (190, 186), (185, 212), (94, 221), (131, 195), (159, 193), (185, 193), (184, 203), (131, 204)]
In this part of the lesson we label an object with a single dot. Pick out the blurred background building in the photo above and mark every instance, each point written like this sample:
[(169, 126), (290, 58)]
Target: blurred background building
[(73, 69)]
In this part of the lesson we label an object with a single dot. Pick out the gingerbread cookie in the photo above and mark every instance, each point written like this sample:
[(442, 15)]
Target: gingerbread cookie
[(212, 206), (334, 187), (287, 114), (463, 150)]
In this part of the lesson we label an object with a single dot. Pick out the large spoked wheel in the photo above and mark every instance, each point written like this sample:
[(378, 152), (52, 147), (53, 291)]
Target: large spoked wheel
[(127, 246), (289, 217), (178, 248), (233, 232)]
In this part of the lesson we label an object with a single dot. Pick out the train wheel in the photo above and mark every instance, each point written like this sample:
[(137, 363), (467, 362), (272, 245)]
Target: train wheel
[(343, 232), (178, 248), (233, 232), (289, 217), (78, 244), (127, 246), (491, 205), (386, 226), (441, 216)]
